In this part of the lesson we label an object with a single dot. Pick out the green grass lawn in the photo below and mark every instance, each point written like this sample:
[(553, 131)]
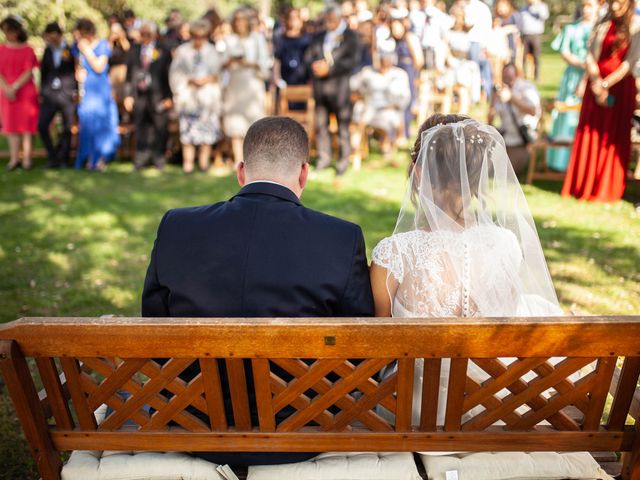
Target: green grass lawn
[(77, 243)]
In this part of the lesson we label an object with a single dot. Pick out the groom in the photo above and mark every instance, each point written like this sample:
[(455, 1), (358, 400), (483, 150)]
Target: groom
[(259, 254)]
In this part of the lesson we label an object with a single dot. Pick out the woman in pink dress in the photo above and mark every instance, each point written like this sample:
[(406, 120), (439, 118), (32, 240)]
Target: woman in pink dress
[(18, 94)]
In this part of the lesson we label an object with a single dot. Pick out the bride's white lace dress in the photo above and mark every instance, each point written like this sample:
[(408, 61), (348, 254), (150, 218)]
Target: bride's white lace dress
[(456, 274)]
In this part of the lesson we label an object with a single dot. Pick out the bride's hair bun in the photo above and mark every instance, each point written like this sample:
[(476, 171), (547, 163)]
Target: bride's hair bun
[(434, 120), (469, 137)]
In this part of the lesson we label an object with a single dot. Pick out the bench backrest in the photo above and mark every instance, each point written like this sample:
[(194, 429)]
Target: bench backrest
[(325, 373)]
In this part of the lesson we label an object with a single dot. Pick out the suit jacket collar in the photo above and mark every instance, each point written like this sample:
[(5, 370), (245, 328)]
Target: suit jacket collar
[(271, 189)]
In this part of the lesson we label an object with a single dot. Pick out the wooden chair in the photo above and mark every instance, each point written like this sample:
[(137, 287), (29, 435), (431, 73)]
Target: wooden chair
[(430, 98), (85, 363), (299, 94), (537, 169)]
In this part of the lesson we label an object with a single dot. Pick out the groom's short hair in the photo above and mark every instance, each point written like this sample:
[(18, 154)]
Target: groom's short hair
[(275, 145)]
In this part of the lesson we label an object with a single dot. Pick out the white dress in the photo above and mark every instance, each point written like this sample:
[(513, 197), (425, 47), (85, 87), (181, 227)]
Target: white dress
[(438, 274), (245, 93), (385, 97)]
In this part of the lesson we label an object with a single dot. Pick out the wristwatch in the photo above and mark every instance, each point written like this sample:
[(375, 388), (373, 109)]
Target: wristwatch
[(604, 84)]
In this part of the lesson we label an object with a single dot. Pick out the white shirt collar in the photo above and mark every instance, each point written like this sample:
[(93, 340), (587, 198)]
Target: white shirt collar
[(271, 182)]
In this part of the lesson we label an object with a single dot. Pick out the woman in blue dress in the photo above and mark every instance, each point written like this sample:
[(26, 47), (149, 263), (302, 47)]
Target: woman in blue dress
[(97, 112), (572, 45)]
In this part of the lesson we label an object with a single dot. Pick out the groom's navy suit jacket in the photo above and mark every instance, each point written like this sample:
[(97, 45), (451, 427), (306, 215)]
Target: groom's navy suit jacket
[(260, 254)]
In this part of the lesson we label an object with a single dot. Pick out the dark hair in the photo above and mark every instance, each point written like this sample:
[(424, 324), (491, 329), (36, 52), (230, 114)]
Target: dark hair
[(432, 121), (446, 144), (276, 144), (213, 17), (128, 13), (13, 24), (53, 27), (84, 25), (623, 25)]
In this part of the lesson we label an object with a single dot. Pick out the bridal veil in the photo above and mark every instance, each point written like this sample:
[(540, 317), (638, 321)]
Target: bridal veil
[(473, 243)]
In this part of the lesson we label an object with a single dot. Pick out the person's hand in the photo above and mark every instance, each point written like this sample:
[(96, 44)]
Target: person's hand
[(84, 46), (601, 98), (128, 104), (167, 103), (320, 68), (505, 94), (596, 87), (10, 92), (198, 82)]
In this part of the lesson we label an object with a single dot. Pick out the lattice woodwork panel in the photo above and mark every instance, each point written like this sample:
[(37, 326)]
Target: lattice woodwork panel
[(526, 393), (139, 393), (331, 394)]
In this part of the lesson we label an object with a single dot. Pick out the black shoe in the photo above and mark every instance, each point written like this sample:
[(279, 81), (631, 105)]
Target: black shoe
[(52, 165)]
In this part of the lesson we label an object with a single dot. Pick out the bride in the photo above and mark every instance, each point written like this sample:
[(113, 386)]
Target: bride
[(465, 244)]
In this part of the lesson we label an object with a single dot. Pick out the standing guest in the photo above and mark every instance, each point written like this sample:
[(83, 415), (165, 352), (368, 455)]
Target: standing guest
[(517, 102), (193, 77), (409, 54), (97, 112), (572, 45), (131, 25), (462, 72), (149, 96), (479, 23), (289, 67), (509, 19), (532, 18), (598, 166), (365, 45), (437, 25), (332, 56), (290, 49), (120, 46), (247, 63), (173, 22), (58, 92), (18, 94)]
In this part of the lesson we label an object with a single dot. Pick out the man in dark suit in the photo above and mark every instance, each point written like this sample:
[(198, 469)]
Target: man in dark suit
[(332, 57), (259, 254), (148, 96), (58, 92)]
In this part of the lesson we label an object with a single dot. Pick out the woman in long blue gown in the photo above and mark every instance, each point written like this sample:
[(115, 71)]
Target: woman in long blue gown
[(97, 112), (572, 45)]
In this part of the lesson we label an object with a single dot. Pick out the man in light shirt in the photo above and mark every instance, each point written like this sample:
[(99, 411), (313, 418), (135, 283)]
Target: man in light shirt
[(532, 18), (517, 103)]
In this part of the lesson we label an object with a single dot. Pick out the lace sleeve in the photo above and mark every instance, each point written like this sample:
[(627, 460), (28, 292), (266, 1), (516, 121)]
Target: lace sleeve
[(386, 254)]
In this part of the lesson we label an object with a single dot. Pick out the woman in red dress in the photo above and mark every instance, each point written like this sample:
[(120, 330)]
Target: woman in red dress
[(18, 94), (602, 147)]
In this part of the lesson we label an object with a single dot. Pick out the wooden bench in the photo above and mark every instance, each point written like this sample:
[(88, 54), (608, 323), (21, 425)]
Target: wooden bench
[(84, 363)]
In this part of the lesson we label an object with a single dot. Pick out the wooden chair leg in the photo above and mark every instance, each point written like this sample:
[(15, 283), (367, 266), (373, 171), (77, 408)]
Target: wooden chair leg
[(533, 154), (631, 460), (25, 400)]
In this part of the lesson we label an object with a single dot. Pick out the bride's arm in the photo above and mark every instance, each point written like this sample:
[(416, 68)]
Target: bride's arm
[(384, 287)]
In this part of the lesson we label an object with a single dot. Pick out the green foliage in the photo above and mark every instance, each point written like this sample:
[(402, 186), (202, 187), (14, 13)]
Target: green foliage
[(37, 13)]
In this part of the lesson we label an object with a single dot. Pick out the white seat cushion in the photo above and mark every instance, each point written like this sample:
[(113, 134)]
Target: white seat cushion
[(513, 465), (88, 465), (96, 465), (343, 466)]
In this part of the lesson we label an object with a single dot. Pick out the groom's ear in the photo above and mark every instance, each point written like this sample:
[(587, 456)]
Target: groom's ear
[(241, 174), (304, 175)]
